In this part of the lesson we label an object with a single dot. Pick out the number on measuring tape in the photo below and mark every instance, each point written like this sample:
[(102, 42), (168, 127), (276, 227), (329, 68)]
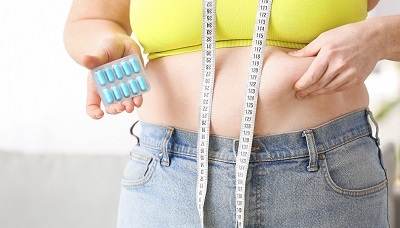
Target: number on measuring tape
[(249, 110), (208, 71)]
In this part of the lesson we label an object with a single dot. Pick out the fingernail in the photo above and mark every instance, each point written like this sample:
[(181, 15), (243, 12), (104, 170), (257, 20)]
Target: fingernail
[(300, 95)]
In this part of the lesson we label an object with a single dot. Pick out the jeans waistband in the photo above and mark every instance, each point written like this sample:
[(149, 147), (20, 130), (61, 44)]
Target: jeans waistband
[(264, 148)]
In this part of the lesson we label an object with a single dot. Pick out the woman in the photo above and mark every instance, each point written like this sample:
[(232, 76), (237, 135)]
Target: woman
[(312, 110)]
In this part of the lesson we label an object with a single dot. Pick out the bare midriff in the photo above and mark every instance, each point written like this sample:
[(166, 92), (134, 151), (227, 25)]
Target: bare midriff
[(175, 95)]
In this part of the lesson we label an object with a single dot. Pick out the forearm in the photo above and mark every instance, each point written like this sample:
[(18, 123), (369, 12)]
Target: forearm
[(387, 35), (82, 37)]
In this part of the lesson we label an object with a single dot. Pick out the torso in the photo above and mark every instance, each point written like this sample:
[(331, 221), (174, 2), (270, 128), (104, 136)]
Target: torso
[(175, 79), (174, 97)]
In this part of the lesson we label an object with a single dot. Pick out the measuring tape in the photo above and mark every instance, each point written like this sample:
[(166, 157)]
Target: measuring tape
[(208, 72), (249, 110)]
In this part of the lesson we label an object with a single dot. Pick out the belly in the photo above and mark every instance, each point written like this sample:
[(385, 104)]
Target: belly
[(175, 95)]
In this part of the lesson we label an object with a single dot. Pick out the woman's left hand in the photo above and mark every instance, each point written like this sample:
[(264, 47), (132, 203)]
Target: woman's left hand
[(344, 57)]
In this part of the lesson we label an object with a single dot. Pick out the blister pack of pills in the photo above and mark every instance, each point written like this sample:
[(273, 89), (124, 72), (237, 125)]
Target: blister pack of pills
[(120, 79)]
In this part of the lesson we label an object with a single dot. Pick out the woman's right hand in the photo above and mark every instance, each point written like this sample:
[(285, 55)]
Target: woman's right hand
[(109, 50)]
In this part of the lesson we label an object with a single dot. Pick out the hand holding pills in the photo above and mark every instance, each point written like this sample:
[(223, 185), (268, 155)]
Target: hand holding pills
[(121, 83), (120, 80)]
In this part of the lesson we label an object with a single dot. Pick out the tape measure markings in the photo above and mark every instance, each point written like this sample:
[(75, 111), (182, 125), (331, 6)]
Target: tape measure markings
[(208, 73), (250, 104)]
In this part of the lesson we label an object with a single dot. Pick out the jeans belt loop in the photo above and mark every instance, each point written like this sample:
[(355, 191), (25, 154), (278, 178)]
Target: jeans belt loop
[(164, 147), (371, 116), (312, 150)]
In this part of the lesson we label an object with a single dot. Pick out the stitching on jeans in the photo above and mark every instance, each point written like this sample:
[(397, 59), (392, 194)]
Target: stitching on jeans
[(348, 192), (258, 200), (344, 143), (143, 180), (276, 158)]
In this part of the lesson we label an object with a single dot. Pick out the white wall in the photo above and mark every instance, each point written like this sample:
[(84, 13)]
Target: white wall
[(42, 92), (386, 7)]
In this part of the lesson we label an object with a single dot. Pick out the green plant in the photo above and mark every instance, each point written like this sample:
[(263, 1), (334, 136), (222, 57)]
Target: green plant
[(387, 108)]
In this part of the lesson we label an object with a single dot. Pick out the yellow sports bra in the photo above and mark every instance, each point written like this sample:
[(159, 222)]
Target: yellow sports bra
[(170, 27)]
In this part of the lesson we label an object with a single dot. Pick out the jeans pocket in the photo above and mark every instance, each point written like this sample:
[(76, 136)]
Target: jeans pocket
[(139, 168), (355, 168)]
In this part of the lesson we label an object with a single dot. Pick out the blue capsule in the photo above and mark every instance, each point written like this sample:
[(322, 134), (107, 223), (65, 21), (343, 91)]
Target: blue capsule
[(134, 87), (101, 77), (142, 83), (110, 75), (127, 68), (118, 71), (135, 65), (120, 80), (108, 96), (117, 93), (125, 89)]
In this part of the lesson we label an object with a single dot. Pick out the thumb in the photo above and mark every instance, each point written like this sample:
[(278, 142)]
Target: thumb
[(93, 61), (131, 47), (310, 50), (107, 50)]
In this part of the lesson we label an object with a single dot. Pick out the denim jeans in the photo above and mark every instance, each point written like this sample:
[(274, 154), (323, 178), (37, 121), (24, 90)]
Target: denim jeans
[(328, 176)]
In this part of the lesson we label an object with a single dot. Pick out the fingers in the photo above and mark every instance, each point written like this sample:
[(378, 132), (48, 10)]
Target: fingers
[(332, 86), (93, 100), (94, 111), (312, 78), (312, 49), (115, 108), (138, 101), (109, 50), (126, 105), (342, 60), (339, 83)]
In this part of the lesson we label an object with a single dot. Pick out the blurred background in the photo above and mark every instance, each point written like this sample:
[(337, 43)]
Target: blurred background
[(58, 167)]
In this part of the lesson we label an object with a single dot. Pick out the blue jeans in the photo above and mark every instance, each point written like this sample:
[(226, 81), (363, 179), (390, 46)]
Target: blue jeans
[(328, 176)]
